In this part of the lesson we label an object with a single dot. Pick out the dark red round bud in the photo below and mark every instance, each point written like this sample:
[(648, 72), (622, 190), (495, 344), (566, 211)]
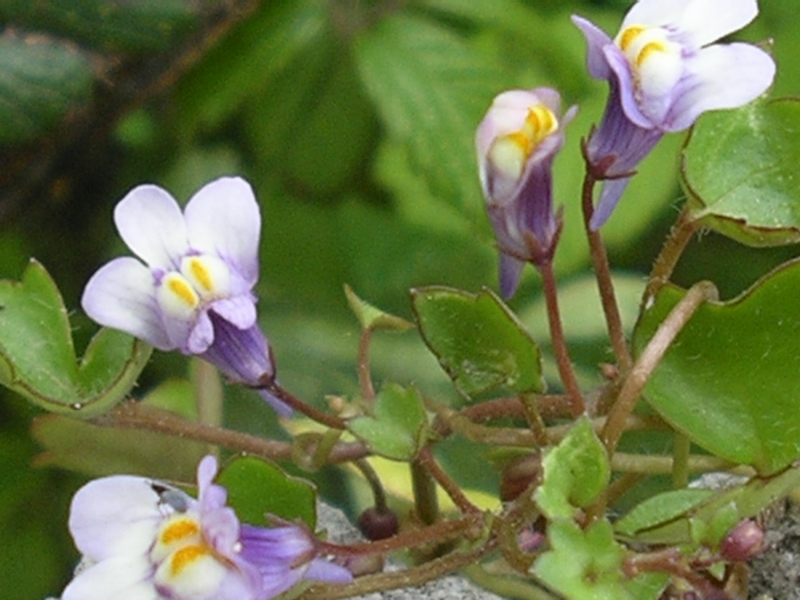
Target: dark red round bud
[(378, 525), (743, 542)]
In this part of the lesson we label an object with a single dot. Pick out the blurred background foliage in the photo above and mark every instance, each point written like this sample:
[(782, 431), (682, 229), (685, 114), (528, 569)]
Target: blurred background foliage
[(353, 120)]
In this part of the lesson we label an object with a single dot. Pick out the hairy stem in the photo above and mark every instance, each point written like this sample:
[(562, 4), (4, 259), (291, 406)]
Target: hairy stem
[(679, 237), (133, 415), (312, 413), (637, 377), (559, 341), (424, 488), (458, 497), (604, 282), (364, 373), (402, 579)]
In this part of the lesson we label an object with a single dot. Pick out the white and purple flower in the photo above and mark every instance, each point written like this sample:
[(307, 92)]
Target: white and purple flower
[(516, 143), (663, 74), (144, 540), (191, 290)]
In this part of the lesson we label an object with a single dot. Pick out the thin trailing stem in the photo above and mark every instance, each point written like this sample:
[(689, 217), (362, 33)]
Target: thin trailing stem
[(312, 413), (133, 415), (401, 579), (605, 284), (636, 379), (378, 493), (458, 497), (424, 489), (559, 341), (679, 237), (364, 372), (436, 533)]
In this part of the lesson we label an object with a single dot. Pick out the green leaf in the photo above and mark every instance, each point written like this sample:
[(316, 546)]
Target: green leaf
[(245, 62), (37, 359), (144, 25), (660, 509), (398, 425), (479, 342), (729, 380), (587, 565), (257, 488), (95, 450), (42, 81), (575, 472), (708, 521), (374, 318), (431, 90), (740, 172)]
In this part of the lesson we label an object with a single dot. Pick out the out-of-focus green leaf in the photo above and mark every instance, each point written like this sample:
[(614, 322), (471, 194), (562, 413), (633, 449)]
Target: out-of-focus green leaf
[(244, 63), (587, 565), (41, 81), (257, 488), (397, 426), (740, 172), (144, 25), (660, 509), (93, 450), (575, 472), (711, 518), (37, 359), (478, 340), (729, 380), (431, 90)]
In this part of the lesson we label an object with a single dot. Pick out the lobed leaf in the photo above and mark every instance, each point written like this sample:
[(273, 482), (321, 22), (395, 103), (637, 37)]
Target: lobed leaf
[(37, 358), (740, 172), (730, 379), (479, 342)]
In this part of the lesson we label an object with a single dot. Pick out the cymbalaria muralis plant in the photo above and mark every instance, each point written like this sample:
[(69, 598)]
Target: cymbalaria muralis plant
[(697, 385)]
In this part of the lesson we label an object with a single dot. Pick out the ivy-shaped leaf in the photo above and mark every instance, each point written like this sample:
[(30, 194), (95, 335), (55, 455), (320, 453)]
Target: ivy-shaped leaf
[(730, 379), (398, 425), (740, 172), (479, 342), (37, 358), (257, 488)]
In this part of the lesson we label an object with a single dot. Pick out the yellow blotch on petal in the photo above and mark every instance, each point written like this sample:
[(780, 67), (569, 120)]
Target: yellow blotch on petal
[(181, 289), (200, 274), (510, 152), (185, 557), (648, 50), (179, 530), (628, 35)]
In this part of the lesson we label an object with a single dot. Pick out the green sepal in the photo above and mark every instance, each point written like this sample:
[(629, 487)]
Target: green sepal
[(373, 318)]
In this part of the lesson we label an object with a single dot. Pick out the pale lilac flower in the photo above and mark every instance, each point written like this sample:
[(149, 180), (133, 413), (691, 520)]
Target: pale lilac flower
[(663, 74), (144, 540), (191, 290), (516, 143)]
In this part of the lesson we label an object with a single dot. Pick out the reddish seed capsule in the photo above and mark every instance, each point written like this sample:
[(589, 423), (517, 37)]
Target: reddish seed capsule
[(743, 542), (378, 525)]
